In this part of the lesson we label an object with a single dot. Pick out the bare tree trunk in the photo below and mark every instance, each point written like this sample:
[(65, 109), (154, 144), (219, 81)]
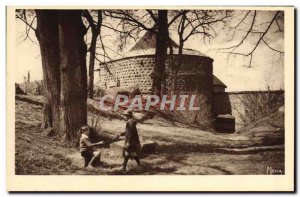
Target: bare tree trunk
[(95, 33), (92, 64), (176, 67), (162, 39), (172, 66), (178, 64), (73, 72), (47, 34)]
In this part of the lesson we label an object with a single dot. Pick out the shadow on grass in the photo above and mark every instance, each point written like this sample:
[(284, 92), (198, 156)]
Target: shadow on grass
[(146, 169), (175, 150)]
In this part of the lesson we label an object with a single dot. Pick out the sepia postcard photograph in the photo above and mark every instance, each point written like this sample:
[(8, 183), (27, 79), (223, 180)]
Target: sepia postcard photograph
[(150, 99)]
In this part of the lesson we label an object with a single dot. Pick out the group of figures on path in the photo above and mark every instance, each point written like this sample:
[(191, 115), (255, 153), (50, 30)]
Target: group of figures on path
[(131, 150)]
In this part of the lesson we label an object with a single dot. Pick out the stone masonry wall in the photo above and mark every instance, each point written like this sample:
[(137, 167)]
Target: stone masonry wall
[(196, 73), (246, 105), (194, 76), (128, 72)]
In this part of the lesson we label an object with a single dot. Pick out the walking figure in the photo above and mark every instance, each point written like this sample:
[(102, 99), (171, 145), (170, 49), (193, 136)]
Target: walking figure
[(132, 146)]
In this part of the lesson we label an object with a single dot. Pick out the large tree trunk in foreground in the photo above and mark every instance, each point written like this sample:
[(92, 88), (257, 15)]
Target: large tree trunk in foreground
[(63, 51), (73, 72), (47, 34), (159, 81)]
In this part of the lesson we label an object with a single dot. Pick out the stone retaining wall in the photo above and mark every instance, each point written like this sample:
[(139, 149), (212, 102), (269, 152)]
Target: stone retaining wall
[(247, 105)]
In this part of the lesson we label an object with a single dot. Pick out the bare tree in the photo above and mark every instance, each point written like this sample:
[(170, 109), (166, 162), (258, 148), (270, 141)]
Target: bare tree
[(63, 51), (48, 36), (95, 29), (162, 39), (73, 72), (133, 22), (28, 17), (196, 22), (256, 31)]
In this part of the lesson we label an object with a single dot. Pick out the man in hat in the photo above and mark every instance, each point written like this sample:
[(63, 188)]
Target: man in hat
[(132, 144)]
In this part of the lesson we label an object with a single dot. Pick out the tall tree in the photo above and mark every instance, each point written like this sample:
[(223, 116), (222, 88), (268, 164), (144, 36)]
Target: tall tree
[(162, 39), (155, 21), (197, 22), (63, 51), (73, 72), (95, 29), (48, 37)]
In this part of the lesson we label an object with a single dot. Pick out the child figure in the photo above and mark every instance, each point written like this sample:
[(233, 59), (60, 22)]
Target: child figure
[(132, 144), (86, 148)]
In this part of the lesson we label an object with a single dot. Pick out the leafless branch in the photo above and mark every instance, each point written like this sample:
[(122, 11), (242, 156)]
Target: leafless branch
[(177, 16), (252, 31), (126, 16), (245, 37), (272, 48), (28, 26), (154, 18)]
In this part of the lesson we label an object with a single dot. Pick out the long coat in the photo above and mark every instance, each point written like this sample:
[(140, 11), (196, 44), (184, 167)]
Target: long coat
[(132, 141)]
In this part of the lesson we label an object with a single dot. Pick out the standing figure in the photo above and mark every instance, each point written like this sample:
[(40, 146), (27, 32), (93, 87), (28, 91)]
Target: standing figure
[(132, 144), (86, 148)]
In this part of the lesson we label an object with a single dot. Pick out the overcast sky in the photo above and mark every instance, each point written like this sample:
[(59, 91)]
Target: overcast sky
[(267, 66)]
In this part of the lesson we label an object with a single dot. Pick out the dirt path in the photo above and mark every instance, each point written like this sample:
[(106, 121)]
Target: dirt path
[(180, 150)]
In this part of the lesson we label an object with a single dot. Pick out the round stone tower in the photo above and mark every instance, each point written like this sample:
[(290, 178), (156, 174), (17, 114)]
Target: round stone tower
[(195, 75)]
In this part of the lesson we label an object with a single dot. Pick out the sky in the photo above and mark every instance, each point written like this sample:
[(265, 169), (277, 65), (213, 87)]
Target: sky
[(267, 69)]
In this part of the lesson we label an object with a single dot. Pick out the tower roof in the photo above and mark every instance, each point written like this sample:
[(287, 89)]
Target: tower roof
[(218, 82), (147, 44), (148, 41)]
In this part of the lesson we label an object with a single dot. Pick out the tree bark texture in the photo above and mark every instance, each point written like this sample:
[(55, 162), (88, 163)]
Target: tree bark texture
[(96, 28), (92, 51), (63, 50), (178, 64), (73, 72), (159, 81), (47, 34)]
